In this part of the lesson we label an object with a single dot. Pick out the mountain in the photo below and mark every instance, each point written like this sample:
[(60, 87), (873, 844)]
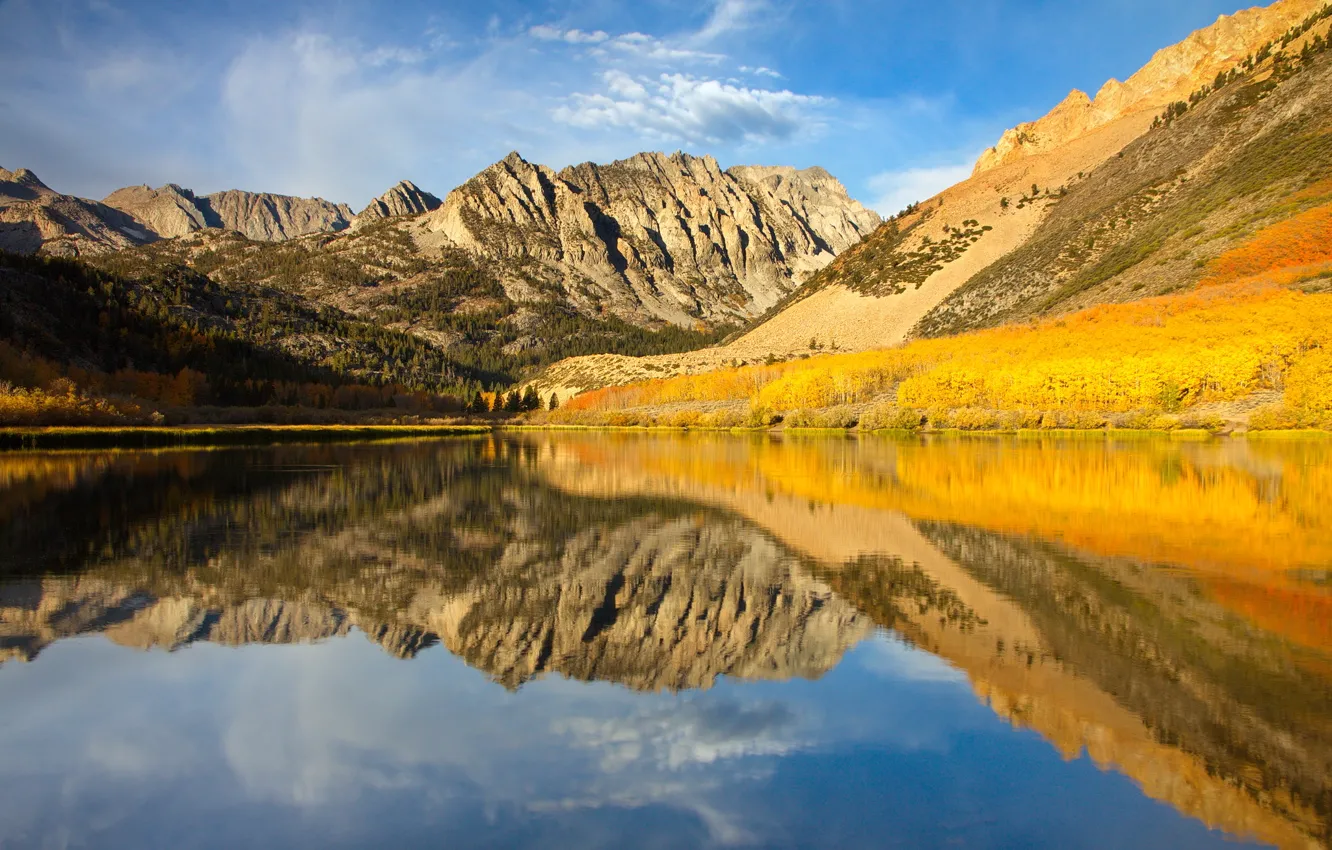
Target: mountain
[(403, 199), (1105, 200), (516, 269), (172, 211), (653, 237), (33, 216), (1171, 76)]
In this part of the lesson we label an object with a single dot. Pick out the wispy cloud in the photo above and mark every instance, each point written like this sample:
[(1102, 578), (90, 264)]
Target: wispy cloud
[(730, 15)]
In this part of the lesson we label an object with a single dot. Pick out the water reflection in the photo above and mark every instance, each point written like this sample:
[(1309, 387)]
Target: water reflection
[(1160, 607)]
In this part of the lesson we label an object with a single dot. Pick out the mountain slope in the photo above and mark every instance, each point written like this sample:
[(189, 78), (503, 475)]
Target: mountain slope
[(1126, 206), (1172, 75)]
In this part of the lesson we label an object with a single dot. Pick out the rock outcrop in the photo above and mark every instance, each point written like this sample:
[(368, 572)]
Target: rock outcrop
[(406, 198), (671, 238), (35, 217), (1171, 75)]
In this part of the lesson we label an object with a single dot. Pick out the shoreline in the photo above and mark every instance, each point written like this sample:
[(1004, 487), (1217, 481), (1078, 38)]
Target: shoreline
[(202, 436), (155, 437)]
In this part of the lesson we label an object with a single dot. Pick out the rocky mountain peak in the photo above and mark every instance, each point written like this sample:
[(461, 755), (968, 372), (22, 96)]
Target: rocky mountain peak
[(405, 198), (654, 237), (23, 177), (1171, 75)]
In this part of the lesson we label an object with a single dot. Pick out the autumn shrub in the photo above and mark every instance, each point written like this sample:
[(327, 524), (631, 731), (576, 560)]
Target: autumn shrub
[(1126, 364), (724, 419), (683, 419), (1305, 240), (1309, 383), (1273, 417), (63, 404), (833, 417), (887, 416)]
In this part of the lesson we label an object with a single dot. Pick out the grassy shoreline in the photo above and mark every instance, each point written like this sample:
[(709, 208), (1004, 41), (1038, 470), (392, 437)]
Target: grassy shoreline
[(149, 437)]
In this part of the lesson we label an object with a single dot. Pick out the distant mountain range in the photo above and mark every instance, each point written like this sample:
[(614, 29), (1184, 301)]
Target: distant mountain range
[(651, 239)]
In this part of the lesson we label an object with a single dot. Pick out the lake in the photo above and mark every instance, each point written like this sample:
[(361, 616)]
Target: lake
[(639, 640)]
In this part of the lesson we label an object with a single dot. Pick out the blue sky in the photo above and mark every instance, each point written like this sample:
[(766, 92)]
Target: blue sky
[(342, 98)]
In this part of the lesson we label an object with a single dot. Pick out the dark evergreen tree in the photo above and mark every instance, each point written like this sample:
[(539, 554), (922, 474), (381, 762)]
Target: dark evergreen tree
[(530, 401)]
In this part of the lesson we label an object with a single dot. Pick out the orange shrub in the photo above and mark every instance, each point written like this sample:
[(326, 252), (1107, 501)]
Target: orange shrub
[(1302, 241)]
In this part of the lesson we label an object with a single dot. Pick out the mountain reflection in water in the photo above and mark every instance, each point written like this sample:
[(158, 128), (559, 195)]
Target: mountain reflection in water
[(1162, 607)]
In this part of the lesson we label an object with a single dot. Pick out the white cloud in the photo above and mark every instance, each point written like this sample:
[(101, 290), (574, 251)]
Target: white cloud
[(761, 71), (894, 191), (696, 733), (636, 45), (691, 109), (546, 32)]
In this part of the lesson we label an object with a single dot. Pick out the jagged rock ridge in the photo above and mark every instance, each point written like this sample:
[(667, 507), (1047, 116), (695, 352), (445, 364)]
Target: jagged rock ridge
[(171, 211), (403, 199), (1172, 74), (674, 237)]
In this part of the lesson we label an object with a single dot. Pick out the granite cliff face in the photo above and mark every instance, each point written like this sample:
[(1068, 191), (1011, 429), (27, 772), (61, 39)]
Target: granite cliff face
[(673, 238), (33, 216), (273, 218), (167, 212), (171, 211), (1171, 75), (403, 199)]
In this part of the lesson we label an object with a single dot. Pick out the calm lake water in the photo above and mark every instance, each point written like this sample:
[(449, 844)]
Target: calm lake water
[(669, 641)]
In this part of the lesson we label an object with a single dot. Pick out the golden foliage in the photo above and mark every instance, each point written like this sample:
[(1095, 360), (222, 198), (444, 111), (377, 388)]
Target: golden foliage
[(1160, 354), (1309, 384)]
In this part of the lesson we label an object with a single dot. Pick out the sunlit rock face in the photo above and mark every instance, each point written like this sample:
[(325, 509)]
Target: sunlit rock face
[(1172, 75), (672, 237), (171, 211), (405, 198)]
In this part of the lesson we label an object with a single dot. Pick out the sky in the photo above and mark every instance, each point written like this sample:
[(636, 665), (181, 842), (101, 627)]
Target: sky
[(343, 98)]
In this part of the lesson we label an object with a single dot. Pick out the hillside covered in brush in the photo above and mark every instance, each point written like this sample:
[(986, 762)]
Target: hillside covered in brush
[(1208, 167)]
